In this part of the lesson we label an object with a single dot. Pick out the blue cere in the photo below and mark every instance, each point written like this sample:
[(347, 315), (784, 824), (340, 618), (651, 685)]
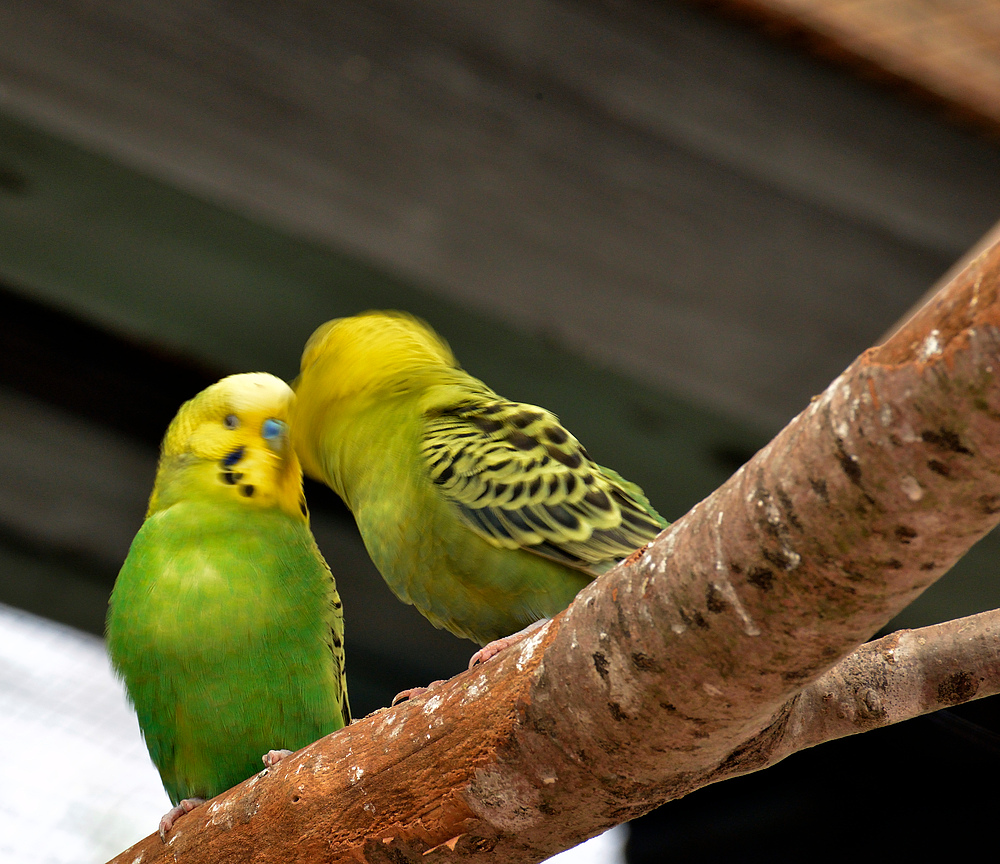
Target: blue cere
[(271, 429)]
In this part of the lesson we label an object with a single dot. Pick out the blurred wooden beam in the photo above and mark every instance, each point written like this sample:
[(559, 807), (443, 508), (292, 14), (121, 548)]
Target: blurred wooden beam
[(644, 183), (947, 49)]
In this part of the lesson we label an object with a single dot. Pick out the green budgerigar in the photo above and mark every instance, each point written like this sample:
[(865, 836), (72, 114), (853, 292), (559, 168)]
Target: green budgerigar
[(485, 514), (225, 624)]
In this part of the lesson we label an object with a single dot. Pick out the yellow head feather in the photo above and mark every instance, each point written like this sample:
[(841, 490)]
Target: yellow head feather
[(349, 363), (230, 442), (373, 350)]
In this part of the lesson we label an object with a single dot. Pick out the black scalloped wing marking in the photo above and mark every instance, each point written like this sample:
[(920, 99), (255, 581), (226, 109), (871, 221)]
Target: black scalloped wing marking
[(336, 644), (520, 480)]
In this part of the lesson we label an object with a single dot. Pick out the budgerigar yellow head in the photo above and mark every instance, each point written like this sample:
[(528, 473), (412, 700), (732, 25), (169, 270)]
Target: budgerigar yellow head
[(349, 363), (372, 350), (231, 442)]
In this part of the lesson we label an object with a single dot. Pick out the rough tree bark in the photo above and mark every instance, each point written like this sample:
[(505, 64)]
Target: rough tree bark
[(709, 654)]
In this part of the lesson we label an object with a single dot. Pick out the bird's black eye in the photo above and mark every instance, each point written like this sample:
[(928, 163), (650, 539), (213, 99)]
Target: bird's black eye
[(231, 421)]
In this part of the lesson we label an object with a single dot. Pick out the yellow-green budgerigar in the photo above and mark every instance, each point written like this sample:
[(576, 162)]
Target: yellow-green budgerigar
[(225, 624), (485, 514)]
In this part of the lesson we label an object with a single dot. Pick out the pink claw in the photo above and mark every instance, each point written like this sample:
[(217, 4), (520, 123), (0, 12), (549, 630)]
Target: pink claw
[(175, 813), (413, 692), (273, 757), (497, 645)]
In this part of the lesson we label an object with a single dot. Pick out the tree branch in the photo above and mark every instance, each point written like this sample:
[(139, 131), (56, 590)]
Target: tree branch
[(901, 676), (698, 659)]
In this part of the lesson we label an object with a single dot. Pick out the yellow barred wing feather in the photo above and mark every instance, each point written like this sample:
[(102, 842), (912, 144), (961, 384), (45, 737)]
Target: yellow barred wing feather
[(519, 479)]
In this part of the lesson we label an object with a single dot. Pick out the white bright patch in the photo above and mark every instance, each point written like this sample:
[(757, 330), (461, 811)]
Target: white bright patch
[(76, 783), (606, 848), (931, 346)]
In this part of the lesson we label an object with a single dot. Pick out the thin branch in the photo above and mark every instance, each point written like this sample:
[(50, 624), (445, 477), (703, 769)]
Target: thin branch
[(668, 672), (898, 677)]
